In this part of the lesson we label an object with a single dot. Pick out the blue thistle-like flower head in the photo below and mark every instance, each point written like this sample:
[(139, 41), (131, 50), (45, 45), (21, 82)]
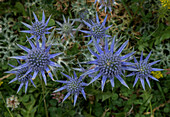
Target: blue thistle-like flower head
[(97, 30), (38, 28), (19, 77), (143, 70), (106, 4), (73, 86), (37, 60), (109, 64), (66, 28)]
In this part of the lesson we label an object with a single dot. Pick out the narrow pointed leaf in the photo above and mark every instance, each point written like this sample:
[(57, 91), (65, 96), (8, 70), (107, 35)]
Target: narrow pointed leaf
[(49, 73), (95, 78), (20, 87), (83, 93), (147, 80), (112, 45), (75, 98), (142, 82), (26, 86), (35, 17), (136, 80), (60, 89), (103, 82), (146, 59), (153, 78), (23, 48), (121, 48), (15, 79), (54, 55), (27, 25), (44, 77), (122, 81), (154, 62), (67, 95)]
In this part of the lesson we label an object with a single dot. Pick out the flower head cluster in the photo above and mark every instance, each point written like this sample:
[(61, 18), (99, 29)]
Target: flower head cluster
[(12, 102), (37, 60), (66, 28), (109, 64), (19, 77), (73, 86), (97, 30), (38, 28), (106, 4), (143, 70)]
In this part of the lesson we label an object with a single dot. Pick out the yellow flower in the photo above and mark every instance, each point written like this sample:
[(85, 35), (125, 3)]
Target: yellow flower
[(157, 74), (1, 82), (166, 3)]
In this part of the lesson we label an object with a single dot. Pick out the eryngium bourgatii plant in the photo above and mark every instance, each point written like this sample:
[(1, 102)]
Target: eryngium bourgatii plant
[(37, 60), (38, 28), (143, 70), (66, 28), (109, 64), (19, 77), (73, 86), (97, 30)]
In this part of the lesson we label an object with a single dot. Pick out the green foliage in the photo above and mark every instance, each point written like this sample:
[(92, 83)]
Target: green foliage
[(8, 39), (30, 108), (160, 51), (19, 8)]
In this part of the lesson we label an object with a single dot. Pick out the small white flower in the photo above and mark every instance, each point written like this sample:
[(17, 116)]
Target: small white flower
[(12, 102)]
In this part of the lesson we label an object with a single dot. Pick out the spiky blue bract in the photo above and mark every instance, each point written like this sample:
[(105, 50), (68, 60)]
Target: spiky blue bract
[(37, 60), (106, 3), (66, 28), (143, 70), (38, 29), (23, 80), (97, 30), (81, 69), (74, 86), (109, 64)]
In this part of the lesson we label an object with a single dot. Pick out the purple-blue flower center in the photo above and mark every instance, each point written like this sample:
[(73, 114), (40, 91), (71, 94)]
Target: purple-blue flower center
[(38, 59), (144, 69), (109, 64), (98, 31), (74, 86), (38, 28), (20, 73)]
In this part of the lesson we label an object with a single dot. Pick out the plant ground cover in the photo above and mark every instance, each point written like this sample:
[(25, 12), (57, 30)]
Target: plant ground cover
[(78, 55)]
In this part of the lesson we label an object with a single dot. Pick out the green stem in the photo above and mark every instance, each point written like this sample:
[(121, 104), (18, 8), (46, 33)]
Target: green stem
[(151, 108), (45, 105), (160, 89), (6, 106), (90, 108), (29, 10)]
